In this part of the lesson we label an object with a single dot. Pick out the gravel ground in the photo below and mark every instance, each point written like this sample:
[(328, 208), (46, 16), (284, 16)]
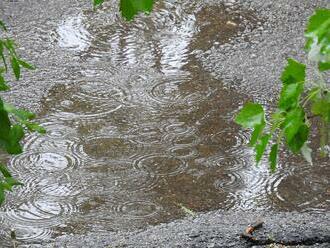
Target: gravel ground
[(251, 64), (217, 229)]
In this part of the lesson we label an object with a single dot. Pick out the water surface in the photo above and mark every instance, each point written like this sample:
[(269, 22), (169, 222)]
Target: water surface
[(136, 128)]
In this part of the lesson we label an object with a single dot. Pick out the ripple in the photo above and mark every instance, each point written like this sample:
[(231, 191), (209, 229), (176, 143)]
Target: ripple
[(229, 140), (63, 186), (229, 181), (29, 233), (161, 165), (109, 148), (42, 212), (73, 35), (178, 128), (137, 180), (148, 134), (38, 163), (252, 194), (138, 209), (86, 100), (178, 90), (45, 143), (183, 152), (228, 162), (56, 130), (302, 187), (184, 140)]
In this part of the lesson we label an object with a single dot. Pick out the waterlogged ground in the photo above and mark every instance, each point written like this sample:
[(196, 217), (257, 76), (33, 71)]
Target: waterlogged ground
[(137, 130)]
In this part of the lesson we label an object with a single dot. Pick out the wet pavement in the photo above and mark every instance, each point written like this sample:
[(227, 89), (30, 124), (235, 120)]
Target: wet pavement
[(139, 116)]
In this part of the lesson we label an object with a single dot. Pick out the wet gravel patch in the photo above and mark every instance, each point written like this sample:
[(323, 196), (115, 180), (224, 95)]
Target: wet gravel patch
[(253, 61), (250, 63), (217, 229)]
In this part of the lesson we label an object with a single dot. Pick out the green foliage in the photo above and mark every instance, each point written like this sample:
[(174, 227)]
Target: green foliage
[(7, 182), (290, 123), (97, 3), (318, 38), (13, 121), (3, 26), (130, 8)]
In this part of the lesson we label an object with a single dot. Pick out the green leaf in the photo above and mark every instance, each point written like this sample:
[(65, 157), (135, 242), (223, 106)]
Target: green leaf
[(130, 8), (299, 139), (290, 96), (144, 5), (26, 65), (321, 107), (261, 147), (258, 129), (10, 45), (16, 134), (3, 85), (127, 9), (19, 113), (13, 182), (5, 172), (251, 115), (318, 38), (3, 26), (2, 55), (187, 210), (4, 127), (273, 157), (15, 67), (277, 119), (34, 127), (97, 2), (293, 73), (324, 66), (318, 27), (314, 93), (8, 183), (2, 194), (295, 129)]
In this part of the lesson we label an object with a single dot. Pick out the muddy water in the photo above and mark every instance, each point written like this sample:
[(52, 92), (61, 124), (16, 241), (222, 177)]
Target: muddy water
[(137, 131)]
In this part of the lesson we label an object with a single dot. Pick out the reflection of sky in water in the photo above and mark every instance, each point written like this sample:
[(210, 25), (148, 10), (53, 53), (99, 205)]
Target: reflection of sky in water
[(72, 34), (141, 128), (168, 47), (174, 45)]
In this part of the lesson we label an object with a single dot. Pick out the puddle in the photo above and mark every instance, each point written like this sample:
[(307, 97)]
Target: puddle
[(140, 129)]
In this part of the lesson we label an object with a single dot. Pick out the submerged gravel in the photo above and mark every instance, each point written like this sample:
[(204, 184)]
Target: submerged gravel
[(250, 63), (216, 229)]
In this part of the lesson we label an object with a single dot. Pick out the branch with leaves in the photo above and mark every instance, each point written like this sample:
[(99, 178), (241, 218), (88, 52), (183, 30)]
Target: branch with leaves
[(130, 8), (14, 122), (290, 123)]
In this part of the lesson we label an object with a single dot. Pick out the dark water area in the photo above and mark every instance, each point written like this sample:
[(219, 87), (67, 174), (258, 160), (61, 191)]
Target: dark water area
[(137, 130)]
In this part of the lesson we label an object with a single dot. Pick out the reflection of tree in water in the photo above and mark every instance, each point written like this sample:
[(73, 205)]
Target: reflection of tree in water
[(171, 125)]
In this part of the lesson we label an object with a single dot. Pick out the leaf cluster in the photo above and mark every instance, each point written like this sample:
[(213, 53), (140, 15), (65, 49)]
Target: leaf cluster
[(290, 123), (130, 8), (13, 121)]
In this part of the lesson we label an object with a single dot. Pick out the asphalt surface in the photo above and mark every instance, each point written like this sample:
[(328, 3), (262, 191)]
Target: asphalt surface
[(250, 63), (217, 229)]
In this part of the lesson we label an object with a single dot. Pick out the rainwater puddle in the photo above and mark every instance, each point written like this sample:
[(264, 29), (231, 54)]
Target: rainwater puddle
[(140, 129)]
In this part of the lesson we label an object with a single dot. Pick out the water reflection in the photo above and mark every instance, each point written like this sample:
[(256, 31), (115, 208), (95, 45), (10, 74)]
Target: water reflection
[(141, 128), (72, 34)]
